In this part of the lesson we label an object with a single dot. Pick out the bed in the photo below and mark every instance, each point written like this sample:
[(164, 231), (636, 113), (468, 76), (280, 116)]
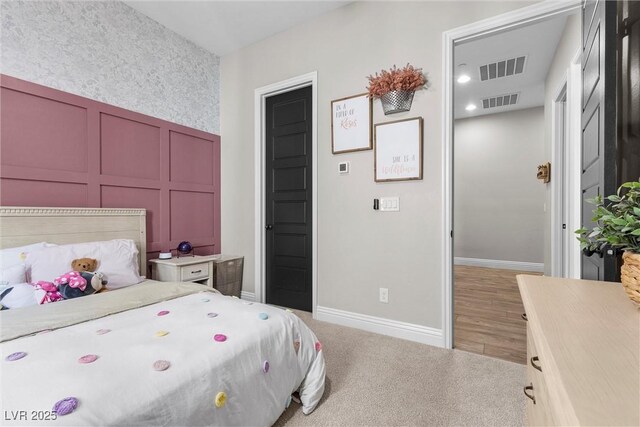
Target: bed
[(155, 353)]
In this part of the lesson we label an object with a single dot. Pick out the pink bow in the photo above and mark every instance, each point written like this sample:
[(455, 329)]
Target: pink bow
[(73, 279)]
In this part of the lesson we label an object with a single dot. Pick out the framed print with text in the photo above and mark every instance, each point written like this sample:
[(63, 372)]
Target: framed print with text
[(397, 153), (351, 124)]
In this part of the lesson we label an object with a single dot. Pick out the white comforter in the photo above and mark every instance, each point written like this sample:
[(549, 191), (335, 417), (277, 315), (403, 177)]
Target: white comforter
[(122, 388)]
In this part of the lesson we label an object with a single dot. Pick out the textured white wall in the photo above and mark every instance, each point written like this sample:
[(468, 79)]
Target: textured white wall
[(498, 202), (359, 250), (567, 48), (109, 52)]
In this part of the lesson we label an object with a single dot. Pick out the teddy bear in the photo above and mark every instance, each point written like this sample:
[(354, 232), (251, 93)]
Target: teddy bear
[(84, 264), (83, 280)]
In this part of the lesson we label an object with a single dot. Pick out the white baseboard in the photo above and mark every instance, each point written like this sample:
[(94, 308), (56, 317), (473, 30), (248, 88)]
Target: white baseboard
[(394, 328), (249, 296), (496, 263)]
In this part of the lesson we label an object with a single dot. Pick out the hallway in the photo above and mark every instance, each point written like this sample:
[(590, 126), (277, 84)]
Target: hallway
[(487, 313)]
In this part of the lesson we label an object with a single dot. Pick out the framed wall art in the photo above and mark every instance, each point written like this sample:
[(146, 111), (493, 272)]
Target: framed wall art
[(351, 124), (398, 150)]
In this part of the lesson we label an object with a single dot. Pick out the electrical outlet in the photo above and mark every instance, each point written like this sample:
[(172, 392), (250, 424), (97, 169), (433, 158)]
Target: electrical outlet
[(384, 295)]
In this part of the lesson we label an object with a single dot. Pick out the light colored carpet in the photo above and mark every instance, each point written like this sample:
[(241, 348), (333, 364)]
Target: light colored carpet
[(375, 380)]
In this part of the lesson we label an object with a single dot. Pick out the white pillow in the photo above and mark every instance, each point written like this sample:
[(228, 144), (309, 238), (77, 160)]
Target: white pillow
[(14, 256), (21, 295), (117, 260), (13, 274)]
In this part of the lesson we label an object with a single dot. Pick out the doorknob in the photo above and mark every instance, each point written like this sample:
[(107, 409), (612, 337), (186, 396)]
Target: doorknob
[(268, 227)]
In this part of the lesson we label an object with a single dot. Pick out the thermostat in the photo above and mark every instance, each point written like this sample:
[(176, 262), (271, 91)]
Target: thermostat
[(343, 167)]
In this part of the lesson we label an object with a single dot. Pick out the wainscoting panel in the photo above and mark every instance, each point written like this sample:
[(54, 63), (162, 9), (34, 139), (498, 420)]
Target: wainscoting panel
[(190, 159), (190, 214), (129, 148), (63, 150), (129, 197), (23, 192), (44, 133)]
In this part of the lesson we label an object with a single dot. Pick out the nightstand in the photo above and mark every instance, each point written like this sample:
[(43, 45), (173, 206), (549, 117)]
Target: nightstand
[(198, 269)]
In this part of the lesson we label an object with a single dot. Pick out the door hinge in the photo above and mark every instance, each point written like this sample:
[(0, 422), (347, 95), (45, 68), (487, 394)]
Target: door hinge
[(627, 23), (624, 31)]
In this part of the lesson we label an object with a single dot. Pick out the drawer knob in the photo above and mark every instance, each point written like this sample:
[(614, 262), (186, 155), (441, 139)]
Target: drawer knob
[(530, 396), (524, 317), (535, 359), (196, 272)]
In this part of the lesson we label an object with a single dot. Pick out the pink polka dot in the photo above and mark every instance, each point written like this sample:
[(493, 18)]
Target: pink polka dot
[(163, 313), (88, 358), (318, 346), (161, 365)]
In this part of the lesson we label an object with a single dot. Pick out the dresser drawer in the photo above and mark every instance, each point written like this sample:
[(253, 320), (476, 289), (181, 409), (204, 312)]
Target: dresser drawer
[(194, 272), (585, 334), (540, 412)]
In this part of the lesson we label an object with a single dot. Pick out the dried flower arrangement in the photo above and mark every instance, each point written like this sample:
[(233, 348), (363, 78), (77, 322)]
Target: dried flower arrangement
[(407, 78)]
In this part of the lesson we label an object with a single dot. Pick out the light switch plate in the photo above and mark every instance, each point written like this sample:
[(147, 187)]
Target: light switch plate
[(390, 204)]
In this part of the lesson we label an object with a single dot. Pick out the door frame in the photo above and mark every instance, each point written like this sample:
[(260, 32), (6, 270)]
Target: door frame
[(560, 140), (566, 163), (507, 21), (260, 96)]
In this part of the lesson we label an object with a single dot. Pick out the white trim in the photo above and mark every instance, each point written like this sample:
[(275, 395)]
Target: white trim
[(379, 325), (501, 264), (249, 296), (574, 95), (447, 179), (559, 137), (514, 19), (261, 93), (533, 13), (570, 167)]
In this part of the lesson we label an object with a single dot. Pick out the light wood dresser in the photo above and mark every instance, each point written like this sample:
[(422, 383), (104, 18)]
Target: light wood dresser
[(583, 353)]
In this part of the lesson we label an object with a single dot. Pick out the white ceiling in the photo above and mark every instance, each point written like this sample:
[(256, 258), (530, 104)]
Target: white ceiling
[(224, 26), (537, 42)]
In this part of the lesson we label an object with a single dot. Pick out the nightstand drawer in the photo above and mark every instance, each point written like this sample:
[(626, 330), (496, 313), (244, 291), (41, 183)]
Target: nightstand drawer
[(194, 272)]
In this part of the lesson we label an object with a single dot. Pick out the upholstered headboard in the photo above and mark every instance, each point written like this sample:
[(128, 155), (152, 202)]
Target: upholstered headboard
[(21, 226)]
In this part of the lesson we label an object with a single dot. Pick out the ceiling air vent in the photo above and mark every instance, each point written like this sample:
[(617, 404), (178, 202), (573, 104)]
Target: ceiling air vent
[(506, 68), (500, 101)]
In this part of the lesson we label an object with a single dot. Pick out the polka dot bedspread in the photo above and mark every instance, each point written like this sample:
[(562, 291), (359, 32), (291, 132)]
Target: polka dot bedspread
[(200, 359)]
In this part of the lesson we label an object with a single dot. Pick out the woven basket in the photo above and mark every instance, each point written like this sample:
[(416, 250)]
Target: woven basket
[(630, 275)]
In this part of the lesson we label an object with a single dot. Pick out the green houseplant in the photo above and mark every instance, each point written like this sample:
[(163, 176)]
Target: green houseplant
[(617, 226)]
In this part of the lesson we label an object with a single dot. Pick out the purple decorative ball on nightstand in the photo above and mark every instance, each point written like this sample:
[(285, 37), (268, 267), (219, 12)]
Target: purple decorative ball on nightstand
[(185, 248)]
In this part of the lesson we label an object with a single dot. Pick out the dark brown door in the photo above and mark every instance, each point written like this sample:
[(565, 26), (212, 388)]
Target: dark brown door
[(288, 199), (599, 173), (629, 90)]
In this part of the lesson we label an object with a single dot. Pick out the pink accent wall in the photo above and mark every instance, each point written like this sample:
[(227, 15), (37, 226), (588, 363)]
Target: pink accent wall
[(59, 149)]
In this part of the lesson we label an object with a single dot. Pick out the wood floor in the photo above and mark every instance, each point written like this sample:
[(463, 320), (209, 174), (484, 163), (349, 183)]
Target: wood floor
[(487, 313)]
